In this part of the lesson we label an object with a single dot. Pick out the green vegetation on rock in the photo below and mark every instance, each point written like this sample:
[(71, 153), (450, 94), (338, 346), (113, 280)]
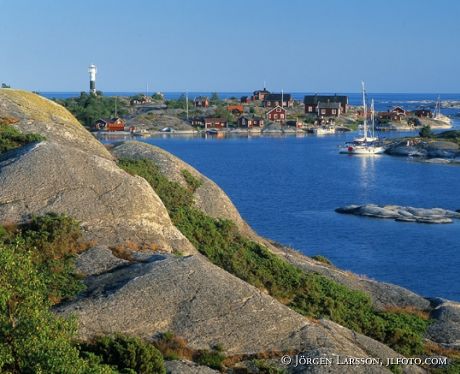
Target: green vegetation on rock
[(126, 354), (34, 274), (11, 138), (310, 294)]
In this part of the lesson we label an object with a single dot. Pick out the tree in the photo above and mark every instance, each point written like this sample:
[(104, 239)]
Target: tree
[(4, 85), (425, 132), (214, 100)]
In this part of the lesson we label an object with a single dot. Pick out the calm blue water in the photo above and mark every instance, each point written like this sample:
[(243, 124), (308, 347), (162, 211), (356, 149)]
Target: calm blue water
[(288, 187)]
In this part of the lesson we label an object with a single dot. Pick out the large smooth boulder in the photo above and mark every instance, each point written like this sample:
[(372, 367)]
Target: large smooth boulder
[(445, 328), (207, 306), (72, 173)]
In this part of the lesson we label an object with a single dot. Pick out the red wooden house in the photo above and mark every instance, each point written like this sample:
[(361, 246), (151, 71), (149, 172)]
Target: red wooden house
[(115, 124), (311, 102), (277, 114), (249, 122), (273, 100), (214, 123), (329, 109)]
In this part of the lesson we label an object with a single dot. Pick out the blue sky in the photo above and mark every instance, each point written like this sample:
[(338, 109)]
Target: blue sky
[(203, 45)]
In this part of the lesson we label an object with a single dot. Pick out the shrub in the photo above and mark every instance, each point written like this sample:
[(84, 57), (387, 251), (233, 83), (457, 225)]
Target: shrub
[(212, 359), (310, 294), (33, 339), (192, 182), (322, 259), (425, 132), (52, 240), (11, 138), (127, 353)]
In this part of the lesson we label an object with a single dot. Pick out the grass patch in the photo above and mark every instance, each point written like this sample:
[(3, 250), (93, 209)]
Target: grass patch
[(11, 138), (310, 294)]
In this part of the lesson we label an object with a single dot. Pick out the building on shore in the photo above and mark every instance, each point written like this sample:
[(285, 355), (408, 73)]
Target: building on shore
[(278, 99), (113, 124), (260, 95), (423, 113), (250, 122), (201, 102), (209, 122), (329, 109), (311, 102), (245, 99), (277, 114)]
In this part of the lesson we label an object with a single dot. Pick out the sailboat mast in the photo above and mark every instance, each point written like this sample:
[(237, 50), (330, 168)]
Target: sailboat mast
[(364, 110), (373, 118)]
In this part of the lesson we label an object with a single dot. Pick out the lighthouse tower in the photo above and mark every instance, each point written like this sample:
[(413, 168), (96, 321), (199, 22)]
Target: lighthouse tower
[(92, 78)]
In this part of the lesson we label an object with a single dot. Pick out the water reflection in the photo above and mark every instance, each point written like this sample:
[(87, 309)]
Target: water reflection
[(367, 174)]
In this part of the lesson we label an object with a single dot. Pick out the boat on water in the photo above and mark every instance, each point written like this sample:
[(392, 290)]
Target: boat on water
[(368, 143), (324, 130), (211, 132)]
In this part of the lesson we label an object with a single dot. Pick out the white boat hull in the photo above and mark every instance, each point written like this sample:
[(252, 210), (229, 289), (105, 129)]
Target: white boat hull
[(362, 150)]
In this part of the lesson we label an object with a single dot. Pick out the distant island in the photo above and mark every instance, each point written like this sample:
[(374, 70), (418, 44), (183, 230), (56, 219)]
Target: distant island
[(263, 112)]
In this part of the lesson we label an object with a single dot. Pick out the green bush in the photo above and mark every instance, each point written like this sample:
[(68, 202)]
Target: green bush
[(322, 259), (192, 182), (212, 359), (310, 294), (425, 132), (32, 338), (127, 353), (11, 138), (52, 240)]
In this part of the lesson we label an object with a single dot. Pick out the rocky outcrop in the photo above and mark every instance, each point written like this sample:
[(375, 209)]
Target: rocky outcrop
[(187, 367), (445, 328), (207, 306), (72, 173), (424, 149), (209, 197), (401, 213)]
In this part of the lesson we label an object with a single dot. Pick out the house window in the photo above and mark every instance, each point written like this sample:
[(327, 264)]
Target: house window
[(278, 109), (275, 116), (334, 111), (323, 111), (310, 109), (281, 115)]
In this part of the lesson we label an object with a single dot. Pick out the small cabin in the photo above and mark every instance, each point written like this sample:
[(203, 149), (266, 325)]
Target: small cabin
[(423, 113), (201, 102), (277, 114), (274, 100), (214, 122), (399, 110), (329, 109), (245, 100), (115, 124), (250, 122), (311, 102), (100, 124), (390, 116)]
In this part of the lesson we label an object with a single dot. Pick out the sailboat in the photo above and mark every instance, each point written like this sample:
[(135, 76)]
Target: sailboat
[(368, 143)]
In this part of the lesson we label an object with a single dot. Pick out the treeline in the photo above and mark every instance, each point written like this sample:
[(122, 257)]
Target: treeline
[(88, 108)]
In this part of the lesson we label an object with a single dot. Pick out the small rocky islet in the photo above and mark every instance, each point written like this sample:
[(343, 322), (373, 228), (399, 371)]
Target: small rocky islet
[(144, 277), (401, 213)]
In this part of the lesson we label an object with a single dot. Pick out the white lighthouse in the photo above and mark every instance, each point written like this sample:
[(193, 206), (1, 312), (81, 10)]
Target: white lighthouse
[(92, 78)]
